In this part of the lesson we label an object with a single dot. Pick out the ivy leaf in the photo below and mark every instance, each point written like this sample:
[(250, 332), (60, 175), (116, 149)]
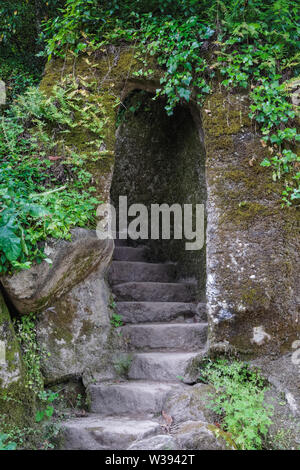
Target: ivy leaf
[(49, 411), (265, 162), (39, 416), (184, 93)]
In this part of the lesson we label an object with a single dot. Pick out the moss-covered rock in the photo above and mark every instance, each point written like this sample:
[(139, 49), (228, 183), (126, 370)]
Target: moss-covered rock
[(112, 71), (16, 401), (35, 289), (251, 243), (75, 332)]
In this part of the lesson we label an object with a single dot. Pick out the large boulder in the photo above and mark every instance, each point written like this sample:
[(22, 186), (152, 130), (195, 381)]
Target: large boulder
[(39, 287), (16, 401), (75, 332)]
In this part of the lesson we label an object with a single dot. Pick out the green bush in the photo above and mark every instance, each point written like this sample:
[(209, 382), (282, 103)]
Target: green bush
[(239, 402), (34, 202)]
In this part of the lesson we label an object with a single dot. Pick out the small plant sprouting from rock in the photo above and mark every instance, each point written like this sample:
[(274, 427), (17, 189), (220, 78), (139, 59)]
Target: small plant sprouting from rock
[(116, 320), (47, 398), (122, 365), (239, 401)]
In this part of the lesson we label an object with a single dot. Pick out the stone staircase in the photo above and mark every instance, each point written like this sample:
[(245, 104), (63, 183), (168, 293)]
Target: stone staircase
[(165, 330)]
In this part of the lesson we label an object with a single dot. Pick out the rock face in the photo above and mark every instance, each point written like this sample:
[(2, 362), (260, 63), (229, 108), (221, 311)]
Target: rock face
[(252, 250), (196, 435), (35, 289), (75, 331), (15, 400), (283, 374)]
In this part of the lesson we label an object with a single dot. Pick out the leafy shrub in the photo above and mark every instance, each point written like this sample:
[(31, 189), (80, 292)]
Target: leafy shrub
[(35, 203), (257, 44), (239, 401)]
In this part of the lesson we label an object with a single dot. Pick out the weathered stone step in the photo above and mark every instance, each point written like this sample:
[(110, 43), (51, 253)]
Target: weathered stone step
[(113, 433), (128, 271), (155, 291), (176, 336), (144, 312), (129, 253), (160, 366), (128, 398)]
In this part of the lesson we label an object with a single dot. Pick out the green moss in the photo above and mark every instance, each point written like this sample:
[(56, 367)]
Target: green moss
[(247, 211), (16, 401), (250, 296), (112, 74), (220, 108)]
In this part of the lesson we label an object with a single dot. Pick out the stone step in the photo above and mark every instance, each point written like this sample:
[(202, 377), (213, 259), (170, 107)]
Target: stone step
[(160, 336), (155, 291), (161, 366), (144, 312), (130, 253), (127, 271), (128, 398), (111, 433)]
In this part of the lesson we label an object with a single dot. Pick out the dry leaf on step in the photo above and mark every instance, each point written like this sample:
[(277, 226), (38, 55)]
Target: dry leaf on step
[(168, 419)]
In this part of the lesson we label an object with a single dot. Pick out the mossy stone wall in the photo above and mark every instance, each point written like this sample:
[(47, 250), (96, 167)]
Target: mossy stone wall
[(252, 243)]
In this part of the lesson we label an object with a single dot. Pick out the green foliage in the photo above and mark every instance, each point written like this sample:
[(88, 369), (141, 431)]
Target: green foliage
[(176, 43), (259, 64), (257, 45), (5, 444), (31, 352), (47, 398), (40, 436), (239, 401), (44, 431), (17, 76), (20, 22), (35, 203), (116, 320)]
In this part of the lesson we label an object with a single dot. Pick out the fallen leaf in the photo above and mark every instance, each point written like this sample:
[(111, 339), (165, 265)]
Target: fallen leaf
[(168, 419), (53, 158)]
